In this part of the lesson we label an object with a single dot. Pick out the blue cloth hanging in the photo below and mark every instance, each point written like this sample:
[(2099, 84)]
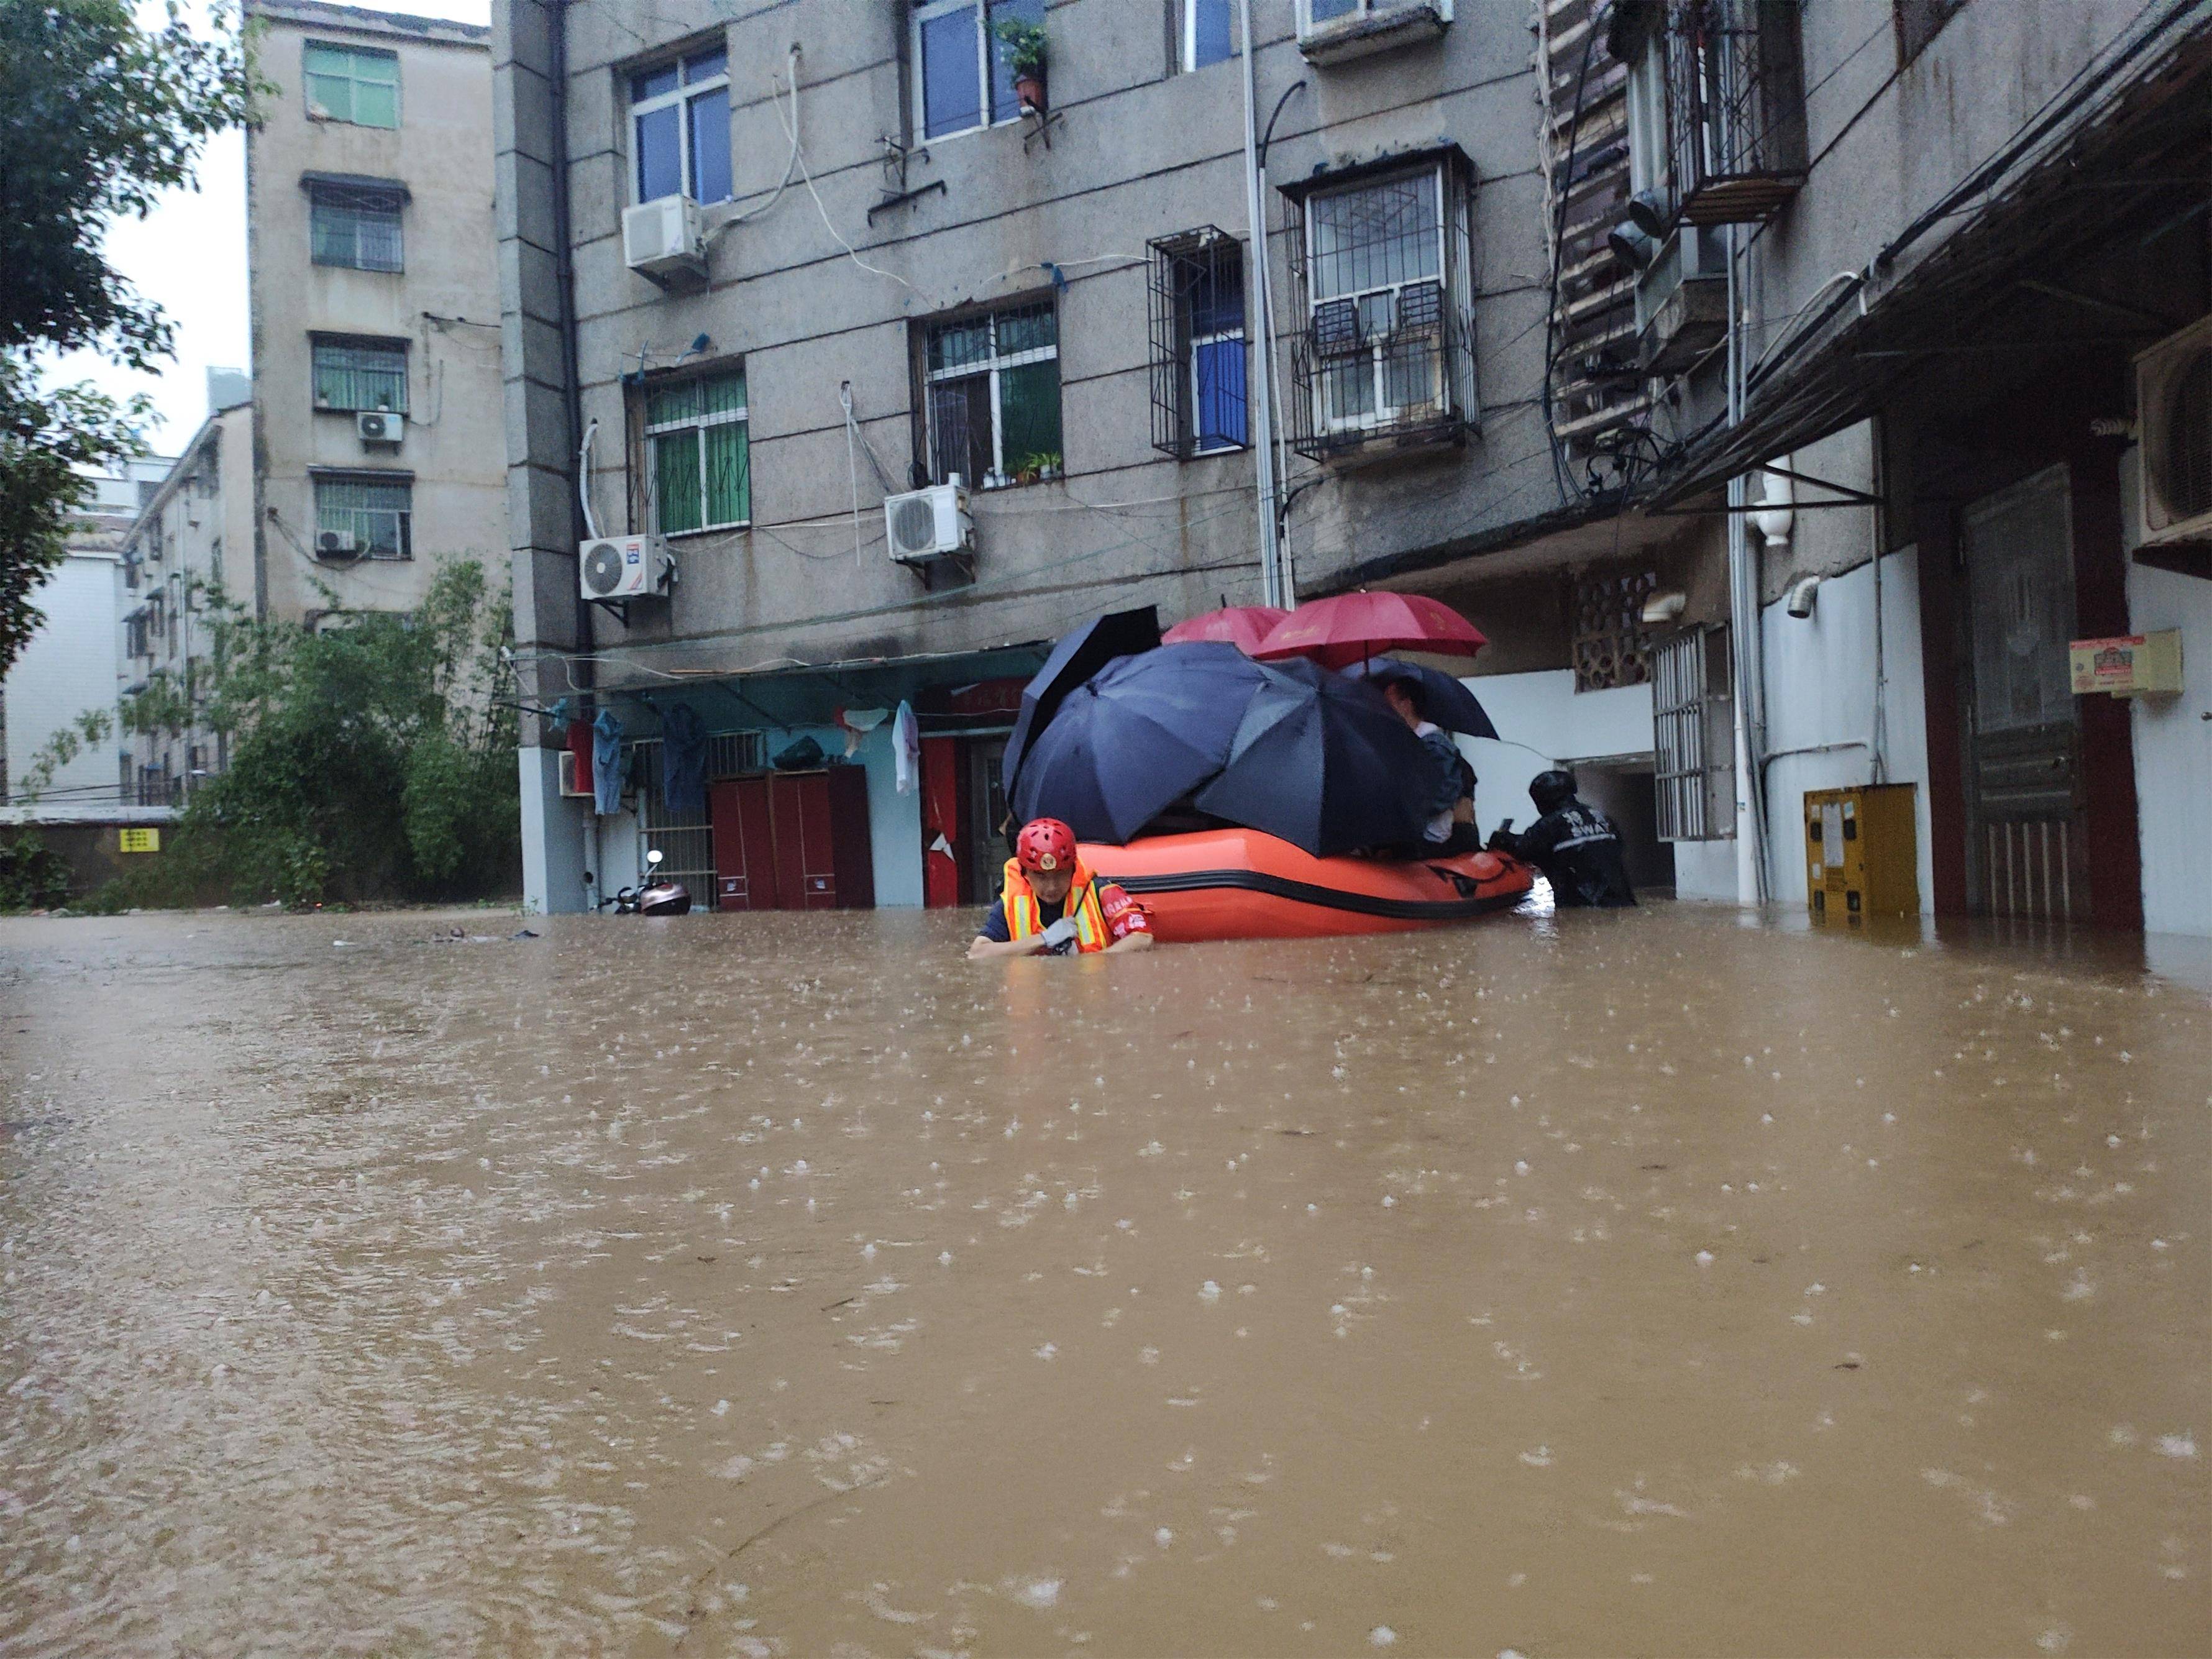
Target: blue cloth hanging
[(684, 765), (607, 764)]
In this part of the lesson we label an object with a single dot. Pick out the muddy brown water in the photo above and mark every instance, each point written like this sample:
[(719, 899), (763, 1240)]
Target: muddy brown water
[(1665, 1282)]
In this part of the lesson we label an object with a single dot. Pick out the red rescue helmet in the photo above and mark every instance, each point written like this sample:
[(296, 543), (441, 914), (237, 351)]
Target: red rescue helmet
[(1045, 844)]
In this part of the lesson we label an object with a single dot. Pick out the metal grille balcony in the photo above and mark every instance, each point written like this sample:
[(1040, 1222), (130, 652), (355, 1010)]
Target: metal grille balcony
[(1736, 108), (1359, 388)]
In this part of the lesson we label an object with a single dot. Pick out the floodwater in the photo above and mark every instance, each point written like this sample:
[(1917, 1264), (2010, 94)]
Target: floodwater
[(1664, 1282)]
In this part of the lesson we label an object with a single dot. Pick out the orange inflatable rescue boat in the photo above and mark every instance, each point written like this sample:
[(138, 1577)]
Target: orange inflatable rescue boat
[(1240, 884)]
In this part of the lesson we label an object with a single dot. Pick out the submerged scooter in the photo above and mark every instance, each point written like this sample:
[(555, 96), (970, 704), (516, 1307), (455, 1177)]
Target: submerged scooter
[(657, 897)]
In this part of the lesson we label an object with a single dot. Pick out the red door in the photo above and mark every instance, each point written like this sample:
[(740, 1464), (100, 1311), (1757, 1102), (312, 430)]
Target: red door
[(744, 846), (941, 822), (793, 841)]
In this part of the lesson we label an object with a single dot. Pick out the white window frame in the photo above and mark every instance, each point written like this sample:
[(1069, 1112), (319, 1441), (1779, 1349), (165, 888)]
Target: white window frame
[(1186, 34), (678, 98), (918, 14), (698, 425), (403, 517), (993, 365), (1384, 412), (1363, 10)]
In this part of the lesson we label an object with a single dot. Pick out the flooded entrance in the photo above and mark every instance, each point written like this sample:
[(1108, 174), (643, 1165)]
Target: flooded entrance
[(1650, 1281)]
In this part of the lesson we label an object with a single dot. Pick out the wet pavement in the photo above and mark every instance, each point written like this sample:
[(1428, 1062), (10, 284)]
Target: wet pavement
[(1659, 1282)]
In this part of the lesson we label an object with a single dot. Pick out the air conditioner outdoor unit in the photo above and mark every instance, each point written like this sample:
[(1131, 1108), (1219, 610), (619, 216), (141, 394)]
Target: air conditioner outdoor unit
[(929, 524), (380, 426), (625, 567), (2173, 419), (335, 544), (569, 785), (664, 238)]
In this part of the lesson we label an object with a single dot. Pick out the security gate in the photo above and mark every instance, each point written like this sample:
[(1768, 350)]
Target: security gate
[(2026, 845)]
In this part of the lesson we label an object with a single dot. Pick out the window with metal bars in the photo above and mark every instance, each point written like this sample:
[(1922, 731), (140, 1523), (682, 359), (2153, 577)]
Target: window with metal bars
[(698, 452), (992, 383), (1692, 739), (687, 848), (1199, 350), (357, 373), (1386, 352), (362, 516), (355, 226), (358, 85)]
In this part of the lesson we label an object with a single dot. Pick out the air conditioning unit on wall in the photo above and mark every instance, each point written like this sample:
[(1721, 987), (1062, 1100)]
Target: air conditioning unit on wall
[(923, 526), (2174, 422), (617, 568), (664, 238), (380, 426)]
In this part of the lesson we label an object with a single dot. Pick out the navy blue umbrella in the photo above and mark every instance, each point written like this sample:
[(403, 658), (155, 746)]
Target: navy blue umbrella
[(1321, 761), (1142, 733), (1445, 700), (1074, 660)]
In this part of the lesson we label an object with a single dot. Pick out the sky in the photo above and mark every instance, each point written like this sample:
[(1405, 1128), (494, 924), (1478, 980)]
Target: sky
[(189, 257)]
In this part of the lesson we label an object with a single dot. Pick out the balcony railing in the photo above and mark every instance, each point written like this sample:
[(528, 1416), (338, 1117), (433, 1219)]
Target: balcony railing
[(1357, 393), (1736, 108)]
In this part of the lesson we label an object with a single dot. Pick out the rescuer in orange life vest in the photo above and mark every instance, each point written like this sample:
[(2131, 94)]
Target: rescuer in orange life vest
[(1054, 906)]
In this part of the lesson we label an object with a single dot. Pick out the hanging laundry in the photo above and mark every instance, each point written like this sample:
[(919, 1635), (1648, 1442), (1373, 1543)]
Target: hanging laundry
[(607, 764), (684, 765), (906, 748), (857, 723)]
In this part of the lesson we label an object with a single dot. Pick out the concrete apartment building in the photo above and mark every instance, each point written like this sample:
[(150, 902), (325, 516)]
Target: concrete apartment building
[(67, 668), (1968, 252), (187, 558), (375, 433), (861, 268)]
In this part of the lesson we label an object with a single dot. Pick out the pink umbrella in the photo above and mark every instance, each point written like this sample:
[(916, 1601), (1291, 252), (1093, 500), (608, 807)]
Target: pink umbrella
[(1349, 628), (1240, 625)]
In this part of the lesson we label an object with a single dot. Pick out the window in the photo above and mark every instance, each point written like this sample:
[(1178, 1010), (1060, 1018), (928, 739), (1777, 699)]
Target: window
[(364, 515), (353, 226), (1693, 738), (352, 83), (1209, 32), (1320, 14), (680, 119), (1918, 21), (1198, 343), (353, 374), (961, 77), (993, 397), (699, 464), (1385, 351)]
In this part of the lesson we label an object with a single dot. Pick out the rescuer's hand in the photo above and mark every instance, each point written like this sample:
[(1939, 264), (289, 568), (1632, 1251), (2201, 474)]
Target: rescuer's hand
[(1060, 932)]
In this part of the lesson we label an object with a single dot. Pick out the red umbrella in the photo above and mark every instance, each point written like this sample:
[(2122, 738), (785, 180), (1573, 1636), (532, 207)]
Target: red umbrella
[(1240, 625), (1348, 627)]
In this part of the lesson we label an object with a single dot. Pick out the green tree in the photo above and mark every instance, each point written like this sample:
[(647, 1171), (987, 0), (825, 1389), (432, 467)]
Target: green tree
[(374, 759), (100, 117)]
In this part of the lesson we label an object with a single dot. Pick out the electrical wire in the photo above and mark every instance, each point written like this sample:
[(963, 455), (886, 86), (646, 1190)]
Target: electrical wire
[(798, 155), (791, 66)]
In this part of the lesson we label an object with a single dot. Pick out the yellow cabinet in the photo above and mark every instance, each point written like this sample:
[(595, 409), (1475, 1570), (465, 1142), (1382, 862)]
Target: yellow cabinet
[(1861, 852)]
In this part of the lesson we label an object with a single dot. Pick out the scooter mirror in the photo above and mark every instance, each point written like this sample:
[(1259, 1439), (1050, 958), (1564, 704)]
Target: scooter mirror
[(655, 856)]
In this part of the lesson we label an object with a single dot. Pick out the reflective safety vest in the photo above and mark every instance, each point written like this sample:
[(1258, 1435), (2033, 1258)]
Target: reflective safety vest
[(1026, 921)]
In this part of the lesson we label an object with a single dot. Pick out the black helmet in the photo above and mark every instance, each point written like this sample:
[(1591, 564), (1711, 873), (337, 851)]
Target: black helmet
[(1552, 790)]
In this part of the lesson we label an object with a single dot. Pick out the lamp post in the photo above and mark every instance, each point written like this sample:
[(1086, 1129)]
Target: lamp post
[(1260, 407)]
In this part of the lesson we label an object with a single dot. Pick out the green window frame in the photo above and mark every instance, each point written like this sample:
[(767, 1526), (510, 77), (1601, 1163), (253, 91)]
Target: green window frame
[(358, 85), (355, 375), (698, 453)]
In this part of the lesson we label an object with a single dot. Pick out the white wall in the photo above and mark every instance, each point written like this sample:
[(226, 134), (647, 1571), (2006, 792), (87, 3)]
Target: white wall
[(2174, 755), (1543, 722), (67, 668), (1820, 691)]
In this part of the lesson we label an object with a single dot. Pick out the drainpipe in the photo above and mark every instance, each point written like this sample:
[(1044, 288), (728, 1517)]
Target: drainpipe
[(1743, 620), (1263, 413), (582, 673)]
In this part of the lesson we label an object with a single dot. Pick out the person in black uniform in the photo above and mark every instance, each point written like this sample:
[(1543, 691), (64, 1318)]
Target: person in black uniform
[(1573, 843)]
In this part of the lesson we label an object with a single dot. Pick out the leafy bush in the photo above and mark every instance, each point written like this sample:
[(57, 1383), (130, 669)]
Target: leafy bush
[(373, 760), (33, 876)]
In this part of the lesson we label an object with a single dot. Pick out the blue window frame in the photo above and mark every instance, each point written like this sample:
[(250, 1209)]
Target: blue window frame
[(680, 128)]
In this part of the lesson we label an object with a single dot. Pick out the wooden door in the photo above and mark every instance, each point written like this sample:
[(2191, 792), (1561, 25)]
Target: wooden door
[(745, 845), (2027, 842)]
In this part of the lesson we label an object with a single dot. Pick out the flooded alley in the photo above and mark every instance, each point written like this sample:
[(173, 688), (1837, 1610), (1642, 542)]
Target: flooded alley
[(1654, 1282)]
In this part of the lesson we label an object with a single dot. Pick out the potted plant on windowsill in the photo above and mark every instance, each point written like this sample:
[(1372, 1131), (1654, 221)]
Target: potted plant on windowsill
[(1037, 468), (1026, 59)]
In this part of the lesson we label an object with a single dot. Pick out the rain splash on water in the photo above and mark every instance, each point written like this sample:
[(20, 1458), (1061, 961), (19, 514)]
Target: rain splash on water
[(1655, 1281)]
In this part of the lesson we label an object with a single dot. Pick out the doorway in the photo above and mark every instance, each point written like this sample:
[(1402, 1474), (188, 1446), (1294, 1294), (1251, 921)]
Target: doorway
[(983, 850), (2027, 840)]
